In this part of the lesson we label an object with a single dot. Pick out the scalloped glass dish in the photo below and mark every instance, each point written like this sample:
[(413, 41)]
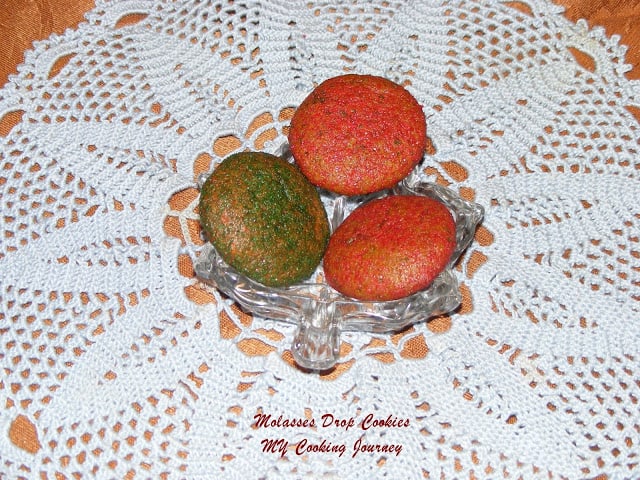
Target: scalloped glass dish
[(320, 312)]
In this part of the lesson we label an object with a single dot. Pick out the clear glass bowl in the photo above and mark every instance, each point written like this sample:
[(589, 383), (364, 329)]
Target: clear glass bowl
[(320, 312)]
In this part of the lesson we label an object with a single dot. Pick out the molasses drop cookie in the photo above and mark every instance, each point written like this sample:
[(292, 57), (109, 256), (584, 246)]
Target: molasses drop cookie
[(264, 218), (357, 134), (390, 247)]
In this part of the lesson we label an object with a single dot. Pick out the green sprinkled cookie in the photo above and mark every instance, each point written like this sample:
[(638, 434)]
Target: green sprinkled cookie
[(264, 218)]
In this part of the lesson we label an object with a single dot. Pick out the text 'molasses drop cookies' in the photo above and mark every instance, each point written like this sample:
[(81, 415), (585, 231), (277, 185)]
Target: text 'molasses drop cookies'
[(264, 218), (358, 134)]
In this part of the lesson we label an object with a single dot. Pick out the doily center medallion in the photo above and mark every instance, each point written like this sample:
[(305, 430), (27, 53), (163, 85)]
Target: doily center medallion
[(259, 336)]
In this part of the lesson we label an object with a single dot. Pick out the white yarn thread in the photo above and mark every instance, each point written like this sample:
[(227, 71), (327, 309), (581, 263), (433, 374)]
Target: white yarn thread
[(538, 380)]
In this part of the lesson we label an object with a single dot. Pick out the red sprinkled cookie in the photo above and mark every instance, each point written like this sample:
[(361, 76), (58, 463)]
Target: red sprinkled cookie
[(390, 248), (357, 134)]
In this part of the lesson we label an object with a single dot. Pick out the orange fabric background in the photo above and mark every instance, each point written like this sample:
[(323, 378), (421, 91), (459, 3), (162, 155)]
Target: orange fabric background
[(23, 21)]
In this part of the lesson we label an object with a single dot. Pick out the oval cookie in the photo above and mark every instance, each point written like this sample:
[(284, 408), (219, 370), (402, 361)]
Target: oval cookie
[(390, 248), (264, 218), (357, 134)]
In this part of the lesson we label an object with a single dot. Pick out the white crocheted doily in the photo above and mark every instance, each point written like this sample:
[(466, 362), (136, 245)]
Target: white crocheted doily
[(117, 363)]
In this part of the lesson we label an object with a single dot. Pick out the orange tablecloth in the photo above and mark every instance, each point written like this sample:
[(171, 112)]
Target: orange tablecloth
[(22, 22)]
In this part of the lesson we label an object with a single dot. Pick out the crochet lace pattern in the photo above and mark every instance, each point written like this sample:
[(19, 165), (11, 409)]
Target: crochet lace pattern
[(118, 363)]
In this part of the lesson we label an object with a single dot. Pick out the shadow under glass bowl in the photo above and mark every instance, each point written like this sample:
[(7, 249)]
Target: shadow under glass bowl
[(320, 312)]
